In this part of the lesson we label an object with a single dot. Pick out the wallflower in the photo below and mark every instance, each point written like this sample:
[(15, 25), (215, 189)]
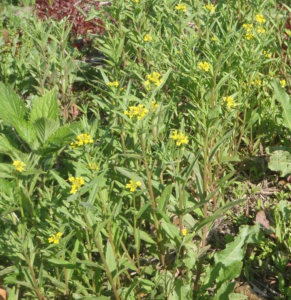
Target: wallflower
[(113, 83), (180, 138), (82, 139), (229, 102), (261, 29), (257, 82), (181, 7), (283, 83), (210, 7), (184, 232), (213, 39), (132, 185), (154, 79), (93, 167), (135, 1), (267, 55), (147, 38), (260, 19), (19, 165), (249, 36), (138, 111), (76, 184), (55, 239), (154, 106), (204, 66), (248, 27)]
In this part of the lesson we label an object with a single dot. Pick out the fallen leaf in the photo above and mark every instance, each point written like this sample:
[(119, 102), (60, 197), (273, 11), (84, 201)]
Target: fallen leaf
[(262, 219), (2, 294)]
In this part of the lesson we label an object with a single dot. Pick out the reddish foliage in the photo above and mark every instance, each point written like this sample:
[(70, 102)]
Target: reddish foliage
[(59, 9)]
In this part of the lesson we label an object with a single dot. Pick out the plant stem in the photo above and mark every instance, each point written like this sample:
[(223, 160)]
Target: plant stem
[(101, 255)]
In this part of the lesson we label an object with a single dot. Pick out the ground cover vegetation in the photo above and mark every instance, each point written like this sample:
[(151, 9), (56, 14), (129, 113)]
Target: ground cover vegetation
[(145, 149)]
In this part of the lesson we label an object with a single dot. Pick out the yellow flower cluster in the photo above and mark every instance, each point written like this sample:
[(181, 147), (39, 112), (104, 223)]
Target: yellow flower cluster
[(154, 78), (184, 232), (204, 66), (249, 36), (210, 7), (154, 106), (55, 239), (180, 138), (19, 165), (229, 102), (113, 84), (257, 82), (267, 55), (93, 167), (82, 139), (132, 185), (181, 7), (138, 111), (283, 83), (135, 1), (261, 29), (76, 184), (147, 38), (260, 19), (248, 27)]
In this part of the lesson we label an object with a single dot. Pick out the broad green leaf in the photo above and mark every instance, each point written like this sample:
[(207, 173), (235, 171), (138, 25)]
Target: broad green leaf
[(45, 128), (28, 133), (280, 161), (224, 291), (110, 259), (45, 107)]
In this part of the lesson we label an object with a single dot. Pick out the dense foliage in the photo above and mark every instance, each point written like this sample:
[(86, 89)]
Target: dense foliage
[(141, 146)]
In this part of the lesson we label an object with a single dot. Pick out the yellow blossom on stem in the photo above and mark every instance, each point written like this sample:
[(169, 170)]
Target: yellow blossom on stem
[(248, 27), (153, 79), (210, 7), (138, 111), (147, 38), (55, 239), (113, 84), (135, 1), (229, 102), (283, 83), (154, 106), (179, 137), (261, 29), (93, 167), (184, 232), (260, 19), (257, 82), (205, 66), (82, 139), (249, 36), (19, 165), (132, 185), (76, 184), (267, 55), (181, 7)]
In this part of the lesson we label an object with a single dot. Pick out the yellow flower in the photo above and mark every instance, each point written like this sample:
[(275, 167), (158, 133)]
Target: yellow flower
[(210, 7), (249, 36), (261, 29), (82, 139), (55, 239), (213, 39), (132, 185), (260, 19), (135, 1), (248, 27), (229, 102), (267, 55), (138, 111), (147, 38), (204, 66), (76, 184), (113, 83), (93, 167), (257, 82), (154, 79), (283, 83), (184, 232), (288, 32), (180, 138), (19, 165), (154, 106), (181, 7)]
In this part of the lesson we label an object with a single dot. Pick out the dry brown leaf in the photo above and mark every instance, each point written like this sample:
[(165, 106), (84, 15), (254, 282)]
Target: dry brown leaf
[(2, 294), (262, 219)]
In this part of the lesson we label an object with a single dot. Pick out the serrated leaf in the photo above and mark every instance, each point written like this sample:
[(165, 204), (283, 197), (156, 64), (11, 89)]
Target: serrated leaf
[(45, 107), (280, 161), (45, 128)]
